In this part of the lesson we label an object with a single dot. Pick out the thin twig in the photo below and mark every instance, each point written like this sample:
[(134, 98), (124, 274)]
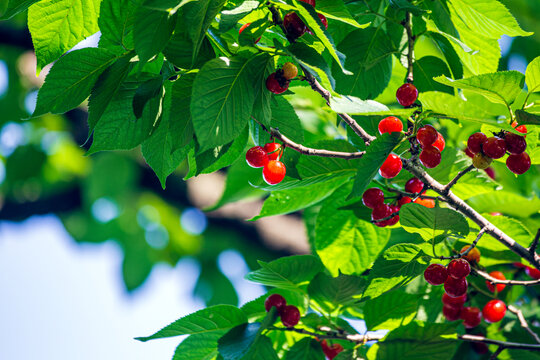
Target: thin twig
[(356, 338), (523, 322), (534, 243), (456, 179), (410, 52), (498, 352), (386, 218), (414, 195), (505, 344), (469, 249), (495, 281)]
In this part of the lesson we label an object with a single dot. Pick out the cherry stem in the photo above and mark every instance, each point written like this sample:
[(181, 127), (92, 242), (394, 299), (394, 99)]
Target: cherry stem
[(469, 249), (456, 179), (495, 281), (334, 334), (385, 218)]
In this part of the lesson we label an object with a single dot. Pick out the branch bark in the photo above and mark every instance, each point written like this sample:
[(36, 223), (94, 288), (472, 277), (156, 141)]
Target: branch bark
[(456, 179), (494, 281), (466, 252), (504, 344), (523, 322), (330, 334), (410, 52)]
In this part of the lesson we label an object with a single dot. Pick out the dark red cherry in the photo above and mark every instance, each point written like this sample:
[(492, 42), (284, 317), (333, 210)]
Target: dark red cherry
[(471, 317), (294, 25), (414, 185), (455, 302), (490, 172), (395, 219), (275, 300), (390, 124), (407, 94), (380, 212), (459, 268), (275, 85), (391, 166), (404, 200), (494, 147), (455, 287), (427, 135), (430, 157), (451, 313), (256, 157), (474, 144), (290, 316), (373, 197), (532, 272), (310, 2), (515, 144), (435, 274), (518, 164), (494, 311)]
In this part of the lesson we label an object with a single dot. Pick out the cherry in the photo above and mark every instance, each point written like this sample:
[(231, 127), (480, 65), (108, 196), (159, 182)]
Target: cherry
[(323, 19), (469, 153), (381, 211), (429, 203), (515, 144), (439, 143), (427, 135), (256, 157), (519, 265), (395, 219), (290, 315), (290, 71), (275, 300), (407, 94), (455, 302), (490, 172), (373, 197), (499, 276), (494, 147), (459, 268), (455, 287), (274, 172), (391, 166), (472, 256), (532, 272), (435, 274), (310, 2), (244, 27), (471, 316), (274, 150), (518, 164), (275, 85), (294, 25), (430, 157), (390, 124), (494, 311), (404, 200), (451, 313), (480, 348), (331, 351), (474, 144), (414, 185), (480, 161), (521, 128)]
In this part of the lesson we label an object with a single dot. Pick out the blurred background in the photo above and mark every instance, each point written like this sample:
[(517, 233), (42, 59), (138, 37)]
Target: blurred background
[(93, 252)]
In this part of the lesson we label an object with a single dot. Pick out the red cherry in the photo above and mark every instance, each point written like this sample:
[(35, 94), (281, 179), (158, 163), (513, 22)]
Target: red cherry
[(391, 166), (494, 311), (455, 302), (310, 2), (521, 128), (430, 157), (459, 268), (381, 211), (490, 172), (407, 94), (414, 185), (451, 313), (331, 351), (427, 135), (429, 203), (494, 147), (518, 164), (274, 172), (390, 124), (395, 219), (519, 265), (439, 143), (256, 157), (480, 348), (435, 274), (274, 150), (324, 21), (474, 144), (468, 152), (275, 300), (274, 85), (499, 276), (455, 287), (290, 315), (532, 272), (404, 200), (244, 27), (294, 25), (515, 144), (373, 197), (471, 317)]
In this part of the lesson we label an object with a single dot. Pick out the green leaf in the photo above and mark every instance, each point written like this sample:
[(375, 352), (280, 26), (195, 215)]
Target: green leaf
[(305, 349), (337, 10), (199, 347), (179, 49), (166, 5), (371, 162), (525, 118), (430, 223), (229, 18), (223, 98), (425, 69), (398, 266), (333, 292), (506, 202), (391, 310), (502, 87), (213, 318), (116, 19), (245, 342), (311, 166), (144, 93), (418, 341), (404, 5), (354, 106), (58, 25), (295, 184), (290, 272), (152, 31), (13, 7), (345, 243), (180, 117), (70, 80), (532, 75)]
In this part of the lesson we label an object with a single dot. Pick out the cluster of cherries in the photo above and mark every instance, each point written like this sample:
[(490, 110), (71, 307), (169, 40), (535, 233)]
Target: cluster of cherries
[(484, 149), (278, 82), (289, 314), (268, 158)]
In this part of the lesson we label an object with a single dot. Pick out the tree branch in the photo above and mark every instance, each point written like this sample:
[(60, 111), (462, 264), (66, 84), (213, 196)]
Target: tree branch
[(414, 196), (494, 281), (456, 179), (410, 52), (504, 344), (466, 252), (534, 244), (523, 322), (332, 334)]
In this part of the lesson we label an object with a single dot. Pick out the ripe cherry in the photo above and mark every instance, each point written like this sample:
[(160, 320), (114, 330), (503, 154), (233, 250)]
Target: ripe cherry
[(310, 2), (429, 203), (256, 157), (290, 316), (244, 27), (515, 144), (471, 317), (532, 272), (459, 268), (294, 25), (427, 135), (274, 150), (276, 85), (404, 200), (407, 94), (490, 172), (469, 153), (480, 161), (455, 302), (455, 287), (390, 124), (381, 211), (331, 351), (518, 164), (391, 166), (451, 313), (494, 311), (494, 147), (275, 300), (474, 144), (435, 274), (439, 143), (274, 172), (290, 71), (499, 276), (430, 157), (414, 185), (373, 197), (395, 219), (521, 128), (472, 256)]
